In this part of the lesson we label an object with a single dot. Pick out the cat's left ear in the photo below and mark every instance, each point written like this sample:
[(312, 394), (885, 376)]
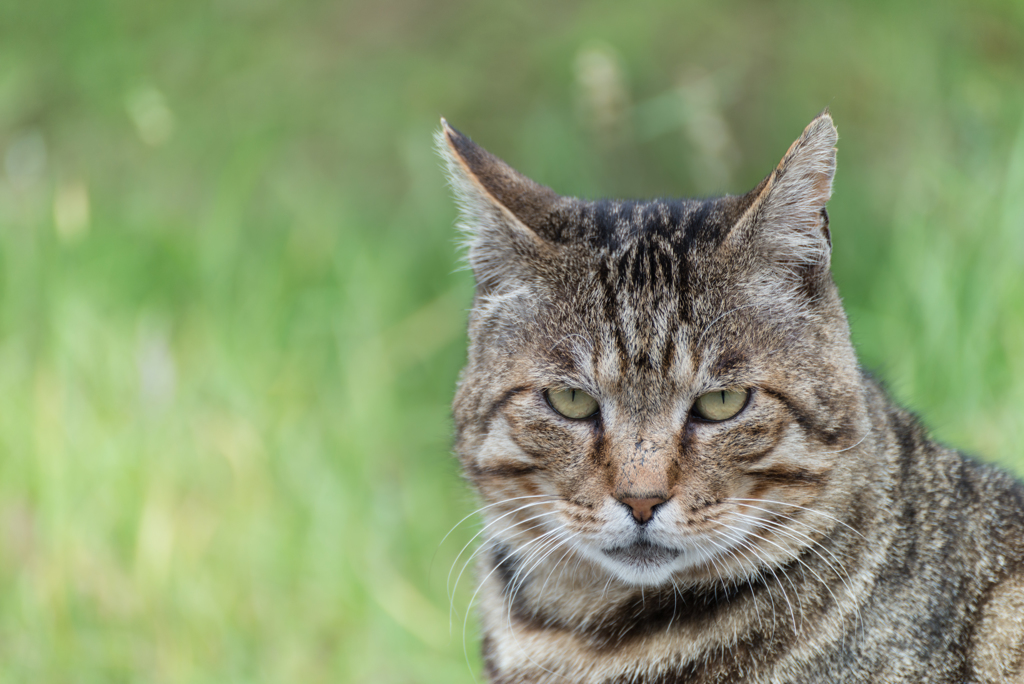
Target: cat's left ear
[(504, 213), (786, 217)]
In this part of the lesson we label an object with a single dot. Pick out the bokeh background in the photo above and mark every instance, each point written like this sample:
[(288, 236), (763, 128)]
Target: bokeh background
[(232, 315)]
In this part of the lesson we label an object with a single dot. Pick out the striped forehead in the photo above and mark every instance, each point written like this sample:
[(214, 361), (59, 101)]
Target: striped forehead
[(645, 266), (613, 226), (647, 269)]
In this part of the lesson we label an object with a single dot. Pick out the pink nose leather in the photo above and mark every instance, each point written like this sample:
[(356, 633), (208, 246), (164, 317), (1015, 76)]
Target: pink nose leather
[(643, 509)]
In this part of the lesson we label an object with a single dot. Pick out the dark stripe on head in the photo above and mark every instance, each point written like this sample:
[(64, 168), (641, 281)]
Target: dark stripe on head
[(607, 221), (728, 361), (507, 470), (760, 455), (828, 435), (668, 352), (499, 404), (611, 309), (791, 475), (698, 224)]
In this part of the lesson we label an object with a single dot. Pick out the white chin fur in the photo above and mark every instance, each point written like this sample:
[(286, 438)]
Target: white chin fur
[(693, 552), (646, 574)]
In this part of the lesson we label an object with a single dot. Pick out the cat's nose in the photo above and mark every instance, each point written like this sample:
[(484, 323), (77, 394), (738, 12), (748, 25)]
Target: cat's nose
[(643, 509)]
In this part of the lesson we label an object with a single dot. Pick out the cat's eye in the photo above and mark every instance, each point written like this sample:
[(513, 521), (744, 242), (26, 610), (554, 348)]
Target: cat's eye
[(572, 403), (720, 404)]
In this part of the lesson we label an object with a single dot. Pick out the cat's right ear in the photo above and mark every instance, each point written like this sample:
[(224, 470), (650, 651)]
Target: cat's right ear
[(501, 211)]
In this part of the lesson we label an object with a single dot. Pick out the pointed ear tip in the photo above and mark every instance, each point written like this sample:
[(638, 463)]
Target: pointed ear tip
[(826, 117), (447, 134), (822, 126)]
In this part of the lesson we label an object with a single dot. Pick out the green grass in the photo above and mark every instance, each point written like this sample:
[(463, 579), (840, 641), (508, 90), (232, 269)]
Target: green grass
[(231, 320)]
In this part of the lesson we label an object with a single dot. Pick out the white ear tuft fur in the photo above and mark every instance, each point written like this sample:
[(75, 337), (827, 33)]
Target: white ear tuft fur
[(473, 205), (497, 207), (789, 214)]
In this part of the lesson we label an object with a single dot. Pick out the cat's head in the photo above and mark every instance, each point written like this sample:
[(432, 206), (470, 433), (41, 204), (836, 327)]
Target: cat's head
[(664, 387)]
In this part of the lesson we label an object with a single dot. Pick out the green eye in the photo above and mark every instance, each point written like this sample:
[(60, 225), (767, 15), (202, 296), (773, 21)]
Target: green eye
[(721, 404), (572, 403)]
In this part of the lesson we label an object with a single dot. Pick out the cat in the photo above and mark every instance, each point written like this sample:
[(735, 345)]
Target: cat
[(686, 475)]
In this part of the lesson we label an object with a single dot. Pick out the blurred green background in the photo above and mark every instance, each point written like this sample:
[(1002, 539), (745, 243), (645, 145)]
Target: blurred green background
[(231, 317)]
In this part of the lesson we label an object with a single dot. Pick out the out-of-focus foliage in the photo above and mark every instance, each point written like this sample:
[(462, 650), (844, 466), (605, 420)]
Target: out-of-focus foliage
[(231, 320)]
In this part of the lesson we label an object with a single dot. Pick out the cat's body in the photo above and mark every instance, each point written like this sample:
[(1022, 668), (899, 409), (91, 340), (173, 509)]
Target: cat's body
[(688, 477)]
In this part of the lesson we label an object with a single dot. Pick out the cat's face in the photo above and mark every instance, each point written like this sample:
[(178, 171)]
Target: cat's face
[(664, 389)]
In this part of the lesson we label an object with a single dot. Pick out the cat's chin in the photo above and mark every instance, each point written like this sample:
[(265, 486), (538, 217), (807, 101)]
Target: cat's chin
[(643, 563)]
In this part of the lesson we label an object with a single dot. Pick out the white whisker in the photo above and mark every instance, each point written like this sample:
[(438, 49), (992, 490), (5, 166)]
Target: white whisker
[(739, 540), (546, 553), (482, 530), (733, 551), (451, 597), (852, 446), (721, 579), (811, 541), (803, 508), (796, 558), (469, 608)]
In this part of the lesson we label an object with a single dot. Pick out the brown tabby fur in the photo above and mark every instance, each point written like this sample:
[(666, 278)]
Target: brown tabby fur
[(819, 535)]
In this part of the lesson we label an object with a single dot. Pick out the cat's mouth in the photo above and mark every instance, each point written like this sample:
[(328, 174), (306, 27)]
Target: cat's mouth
[(642, 554)]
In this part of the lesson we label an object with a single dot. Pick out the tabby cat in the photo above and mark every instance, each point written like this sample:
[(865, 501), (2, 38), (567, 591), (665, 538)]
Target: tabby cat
[(687, 476)]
